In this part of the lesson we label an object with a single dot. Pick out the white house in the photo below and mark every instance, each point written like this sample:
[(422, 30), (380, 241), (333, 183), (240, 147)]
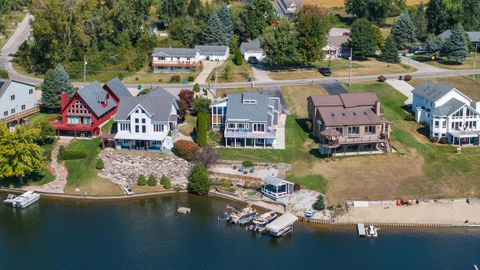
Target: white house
[(17, 101), (213, 52), (147, 122), (175, 60), (447, 113), (335, 40), (286, 8), (252, 51)]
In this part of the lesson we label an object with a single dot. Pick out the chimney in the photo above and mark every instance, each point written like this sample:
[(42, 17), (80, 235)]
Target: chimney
[(477, 105), (377, 108), (63, 100)]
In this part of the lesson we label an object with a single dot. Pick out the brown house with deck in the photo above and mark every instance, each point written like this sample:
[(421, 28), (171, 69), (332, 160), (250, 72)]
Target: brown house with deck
[(349, 123)]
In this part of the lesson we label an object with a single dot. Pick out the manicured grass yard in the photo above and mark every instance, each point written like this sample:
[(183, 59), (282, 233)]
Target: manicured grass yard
[(445, 64), (82, 173), (147, 76), (239, 73), (340, 68), (40, 117), (296, 97), (189, 125)]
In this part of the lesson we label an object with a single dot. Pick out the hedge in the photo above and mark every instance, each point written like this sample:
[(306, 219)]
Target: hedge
[(165, 182), (152, 181), (141, 181), (100, 165), (73, 154), (185, 149)]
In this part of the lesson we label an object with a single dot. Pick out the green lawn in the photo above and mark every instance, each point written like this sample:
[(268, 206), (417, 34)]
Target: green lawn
[(81, 170), (445, 64), (239, 73), (40, 117), (107, 127)]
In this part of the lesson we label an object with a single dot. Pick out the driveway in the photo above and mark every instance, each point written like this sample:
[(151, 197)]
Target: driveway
[(421, 67), (334, 88), (276, 92), (402, 87), (260, 75), (208, 67)]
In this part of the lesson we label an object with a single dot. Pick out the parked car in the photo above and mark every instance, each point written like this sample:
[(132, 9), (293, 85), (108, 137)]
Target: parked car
[(252, 60), (417, 51), (127, 190), (325, 71)]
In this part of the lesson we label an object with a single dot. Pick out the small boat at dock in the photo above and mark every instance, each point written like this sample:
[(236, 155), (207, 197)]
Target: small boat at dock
[(242, 217), (22, 201), (371, 231), (260, 222)]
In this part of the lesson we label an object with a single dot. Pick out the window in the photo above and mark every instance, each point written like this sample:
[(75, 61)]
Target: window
[(240, 126), (144, 129), (136, 121), (13, 111), (30, 91), (258, 127), (137, 128), (339, 129), (158, 128), (5, 113), (143, 121), (437, 124), (231, 125), (73, 120), (353, 130), (23, 107), (370, 129), (444, 124), (12, 97)]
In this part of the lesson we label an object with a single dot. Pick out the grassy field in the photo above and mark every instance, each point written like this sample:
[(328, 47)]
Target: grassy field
[(296, 97), (340, 68), (239, 73), (82, 173), (445, 64), (465, 84), (14, 17), (189, 125), (147, 76)]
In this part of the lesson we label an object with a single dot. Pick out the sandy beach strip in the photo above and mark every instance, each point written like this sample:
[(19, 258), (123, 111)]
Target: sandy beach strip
[(454, 212)]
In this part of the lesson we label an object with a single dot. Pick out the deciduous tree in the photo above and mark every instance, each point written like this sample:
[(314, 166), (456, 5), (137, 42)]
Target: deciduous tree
[(281, 45), (433, 44), (374, 10), (363, 40), (259, 16), (198, 181)]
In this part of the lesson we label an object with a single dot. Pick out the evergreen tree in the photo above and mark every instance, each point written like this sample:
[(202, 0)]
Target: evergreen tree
[(214, 33), (198, 181), (437, 17), (456, 47), (171, 9), (434, 44), (189, 31), (404, 32), (141, 181), (363, 40), (237, 56), (281, 45), (226, 20), (390, 52), (471, 15), (202, 128), (55, 82), (419, 20)]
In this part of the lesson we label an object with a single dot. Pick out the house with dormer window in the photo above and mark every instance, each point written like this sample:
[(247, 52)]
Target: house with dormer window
[(247, 119), (147, 122), (88, 109), (447, 113)]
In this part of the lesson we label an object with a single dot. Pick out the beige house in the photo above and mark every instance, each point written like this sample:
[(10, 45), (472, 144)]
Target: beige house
[(349, 123)]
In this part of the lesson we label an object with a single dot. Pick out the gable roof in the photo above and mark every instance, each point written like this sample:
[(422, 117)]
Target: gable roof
[(432, 91), (175, 52), (211, 50), (253, 45), (449, 107), (346, 100), (157, 103), (337, 41), (118, 89), (339, 116), (237, 109), (5, 83), (274, 181), (472, 36), (92, 94)]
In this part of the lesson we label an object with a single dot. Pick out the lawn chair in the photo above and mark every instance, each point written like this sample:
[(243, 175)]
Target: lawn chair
[(251, 170), (240, 169)]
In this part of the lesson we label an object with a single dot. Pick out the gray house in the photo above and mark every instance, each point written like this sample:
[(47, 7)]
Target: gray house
[(247, 119), (474, 37), (17, 101)]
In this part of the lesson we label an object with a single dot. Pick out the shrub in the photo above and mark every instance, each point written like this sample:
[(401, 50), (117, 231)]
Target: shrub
[(308, 125), (381, 78), (201, 105), (141, 181), (165, 182), (185, 149), (212, 77), (169, 133), (206, 155), (409, 117), (3, 74), (247, 163), (434, 139), (407, 78), (61, 153), (175, 78), (100, 165), (196, 88), (187, 96), (152, 181), (74, 154), (191, 78), (443, 140), (198, 181), (320, 203), (202, 128)]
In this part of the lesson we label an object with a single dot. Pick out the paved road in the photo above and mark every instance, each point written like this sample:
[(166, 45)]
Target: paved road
[(423, 70), (334, 88)]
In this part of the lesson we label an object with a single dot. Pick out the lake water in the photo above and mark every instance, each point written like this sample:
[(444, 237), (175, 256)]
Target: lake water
[(149, 234)]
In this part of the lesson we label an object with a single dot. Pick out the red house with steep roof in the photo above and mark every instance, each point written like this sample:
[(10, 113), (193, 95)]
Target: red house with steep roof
[(88, 109)]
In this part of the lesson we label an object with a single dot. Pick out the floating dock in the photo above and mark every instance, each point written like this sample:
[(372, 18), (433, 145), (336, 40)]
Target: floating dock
[(184, 210), (282, 225), (361, 230)]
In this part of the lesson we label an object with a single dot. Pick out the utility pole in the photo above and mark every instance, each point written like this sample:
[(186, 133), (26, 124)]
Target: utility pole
[(350, 70), (84, 68), (475, 61)]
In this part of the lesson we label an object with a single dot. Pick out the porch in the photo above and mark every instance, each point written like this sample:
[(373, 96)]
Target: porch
[(464, 138), (276, 188), (139, 145), (249, 142)]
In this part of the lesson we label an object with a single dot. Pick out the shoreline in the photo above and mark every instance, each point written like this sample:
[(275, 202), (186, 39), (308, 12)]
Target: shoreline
[(261, 204)]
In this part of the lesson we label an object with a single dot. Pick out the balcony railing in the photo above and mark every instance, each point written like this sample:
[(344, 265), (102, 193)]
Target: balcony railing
[(249, 134), (176, 64), (57, 123), (360, 139), (20, 115)]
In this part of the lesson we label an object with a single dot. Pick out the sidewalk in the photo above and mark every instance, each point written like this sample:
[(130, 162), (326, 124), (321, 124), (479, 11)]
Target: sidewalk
[(208, 67), (402, 87)]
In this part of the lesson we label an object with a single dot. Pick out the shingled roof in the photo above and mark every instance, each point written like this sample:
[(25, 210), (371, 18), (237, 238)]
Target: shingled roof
[(93, 95), (432, 91), (157, 103), (118, 89), (175, 52), (448, 108), (239, 110)]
